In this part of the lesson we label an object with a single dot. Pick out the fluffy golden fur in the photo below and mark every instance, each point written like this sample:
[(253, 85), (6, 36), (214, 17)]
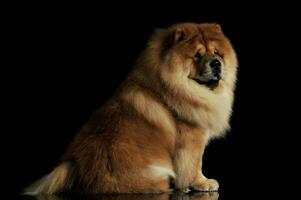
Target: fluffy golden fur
[(154, 129)]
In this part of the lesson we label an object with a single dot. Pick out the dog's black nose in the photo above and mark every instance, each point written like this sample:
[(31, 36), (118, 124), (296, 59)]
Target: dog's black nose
[(216, 66)]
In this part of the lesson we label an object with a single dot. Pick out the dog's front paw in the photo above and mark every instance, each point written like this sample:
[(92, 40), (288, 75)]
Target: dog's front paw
[(208, 185)]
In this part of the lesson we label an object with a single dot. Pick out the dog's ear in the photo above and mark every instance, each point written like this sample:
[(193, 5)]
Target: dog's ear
[(173, 37), (178, 35), (218, 28), (168, 37)]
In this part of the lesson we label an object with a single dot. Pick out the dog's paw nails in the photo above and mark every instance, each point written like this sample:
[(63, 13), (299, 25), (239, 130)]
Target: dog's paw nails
[(186, 190)]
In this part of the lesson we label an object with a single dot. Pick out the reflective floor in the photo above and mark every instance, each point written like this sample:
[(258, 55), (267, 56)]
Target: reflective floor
[(173, 196)]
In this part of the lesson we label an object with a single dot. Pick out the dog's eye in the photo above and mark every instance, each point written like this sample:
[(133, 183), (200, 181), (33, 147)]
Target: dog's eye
[(218, 53), (198, 56)]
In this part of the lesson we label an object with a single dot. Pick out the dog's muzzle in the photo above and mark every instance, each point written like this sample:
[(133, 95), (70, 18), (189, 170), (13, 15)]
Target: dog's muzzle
[(211, 72), (216, 68)]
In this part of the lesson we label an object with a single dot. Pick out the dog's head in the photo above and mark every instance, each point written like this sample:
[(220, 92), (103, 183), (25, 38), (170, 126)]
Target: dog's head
[(196, 54), (192, 67)]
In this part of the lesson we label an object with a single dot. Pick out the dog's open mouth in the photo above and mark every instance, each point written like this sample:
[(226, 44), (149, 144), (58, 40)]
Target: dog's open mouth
[(212, 83)]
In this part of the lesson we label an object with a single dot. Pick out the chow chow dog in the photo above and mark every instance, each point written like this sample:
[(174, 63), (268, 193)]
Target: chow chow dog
[(151, 134)]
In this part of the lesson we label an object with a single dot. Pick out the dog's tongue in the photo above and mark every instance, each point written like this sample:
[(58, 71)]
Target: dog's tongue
[(213, 79)]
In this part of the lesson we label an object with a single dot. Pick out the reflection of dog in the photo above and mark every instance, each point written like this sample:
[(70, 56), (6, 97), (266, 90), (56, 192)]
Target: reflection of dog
[(156, 126), (164, 196)]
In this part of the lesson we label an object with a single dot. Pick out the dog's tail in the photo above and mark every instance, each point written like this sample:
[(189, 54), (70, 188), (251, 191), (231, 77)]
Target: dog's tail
[(59, 180)]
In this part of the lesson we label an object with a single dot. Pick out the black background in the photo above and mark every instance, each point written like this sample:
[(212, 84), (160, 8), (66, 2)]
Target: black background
[(64, 61)]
